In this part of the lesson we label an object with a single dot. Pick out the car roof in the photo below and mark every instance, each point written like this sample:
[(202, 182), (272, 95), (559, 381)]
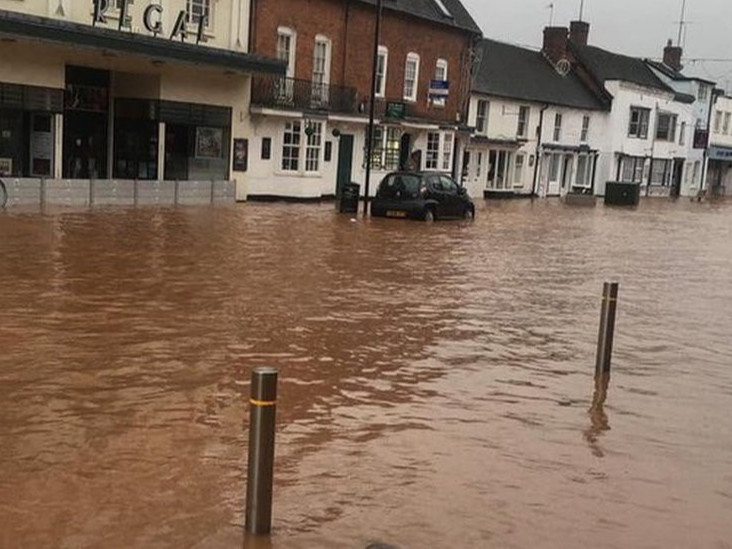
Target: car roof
[(419, 174)]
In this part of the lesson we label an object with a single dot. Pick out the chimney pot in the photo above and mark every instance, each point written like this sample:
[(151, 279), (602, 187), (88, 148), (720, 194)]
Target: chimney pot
[(579, 32)]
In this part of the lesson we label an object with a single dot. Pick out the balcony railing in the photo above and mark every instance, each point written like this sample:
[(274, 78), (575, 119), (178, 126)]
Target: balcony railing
[(291, 93)]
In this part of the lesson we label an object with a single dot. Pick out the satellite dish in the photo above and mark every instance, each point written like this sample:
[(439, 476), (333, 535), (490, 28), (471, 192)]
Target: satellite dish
[(563, 67)]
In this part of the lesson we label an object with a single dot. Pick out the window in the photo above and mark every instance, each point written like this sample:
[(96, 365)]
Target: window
[(726, 125), (639, 120), (697, 171), (321, 69), (584, 171), (440, 146), (381, 67), (481, 121), (687, 177), (266, 148), (387, 148), (196, 9), (557, 127), (661, 172), (585, 129), (328, 152), (523, 121), (499, 169), (291, 146), (682, 134), (518, 171), (633, 169), (666, 127), (411, 77), (703, 92), (286, 39), (440, 74), (717, 121), (554, 161), (314, 146), (433, 150), (447, 144)]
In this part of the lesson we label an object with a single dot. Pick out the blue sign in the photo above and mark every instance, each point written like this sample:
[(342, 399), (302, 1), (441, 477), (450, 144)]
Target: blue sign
[(720, 153), (439, 89)]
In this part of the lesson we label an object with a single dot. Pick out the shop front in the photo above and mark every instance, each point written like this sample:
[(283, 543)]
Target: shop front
[(84, 122), (719, 178)]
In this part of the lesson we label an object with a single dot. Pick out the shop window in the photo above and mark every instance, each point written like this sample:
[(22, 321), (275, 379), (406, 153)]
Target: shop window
[(386, 151), (291, 146), (440, 147), (499, 169), (633, 169), (584, 171), (314, 133)]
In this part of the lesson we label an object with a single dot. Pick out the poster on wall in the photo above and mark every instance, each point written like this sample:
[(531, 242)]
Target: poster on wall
[(6, 166), (209, 142), (241, 155)]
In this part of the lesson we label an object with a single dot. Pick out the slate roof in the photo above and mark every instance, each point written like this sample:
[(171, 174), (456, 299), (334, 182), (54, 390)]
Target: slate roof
[(428, 9), (518, 73), (607, 65), (676, 75)]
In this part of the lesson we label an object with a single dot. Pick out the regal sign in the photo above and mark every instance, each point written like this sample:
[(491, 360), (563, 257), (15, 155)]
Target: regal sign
[(152, 19)]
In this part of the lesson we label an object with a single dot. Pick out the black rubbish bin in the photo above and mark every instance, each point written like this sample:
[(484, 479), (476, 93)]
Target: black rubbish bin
[(349, 198), (622, 194)]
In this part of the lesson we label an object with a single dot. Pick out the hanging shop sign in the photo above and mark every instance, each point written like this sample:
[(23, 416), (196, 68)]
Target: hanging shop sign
[(152, 19), (439, 89)]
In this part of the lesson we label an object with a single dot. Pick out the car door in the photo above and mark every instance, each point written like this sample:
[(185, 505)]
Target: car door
[(437, 193), (453, 200)]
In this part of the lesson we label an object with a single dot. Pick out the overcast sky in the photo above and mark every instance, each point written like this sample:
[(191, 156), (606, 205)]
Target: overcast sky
[(634, 27)]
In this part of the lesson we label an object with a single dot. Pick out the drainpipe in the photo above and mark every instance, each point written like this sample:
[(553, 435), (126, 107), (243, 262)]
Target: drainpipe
[(538, 149), (252, 25), (652, 128), (594, 172)]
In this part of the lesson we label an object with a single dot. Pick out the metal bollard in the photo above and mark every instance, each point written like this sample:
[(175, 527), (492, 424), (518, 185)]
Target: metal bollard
[(263, 405), (607, 329)]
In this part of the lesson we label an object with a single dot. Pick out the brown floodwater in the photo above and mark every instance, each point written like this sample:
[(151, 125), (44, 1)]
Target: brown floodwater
[(436, 380)]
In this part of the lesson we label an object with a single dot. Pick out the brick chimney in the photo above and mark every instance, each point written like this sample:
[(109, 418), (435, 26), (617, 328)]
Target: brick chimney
[(555, 43), (579, 32), (672, 56)]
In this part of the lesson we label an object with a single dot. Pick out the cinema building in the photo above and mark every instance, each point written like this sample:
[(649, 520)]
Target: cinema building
[(120, 101)]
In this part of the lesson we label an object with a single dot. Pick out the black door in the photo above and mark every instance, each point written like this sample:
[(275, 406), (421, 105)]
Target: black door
[(345, 162), (678, 176), (405, 149)]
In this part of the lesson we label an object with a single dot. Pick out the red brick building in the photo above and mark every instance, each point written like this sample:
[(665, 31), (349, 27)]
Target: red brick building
[(310, 128)]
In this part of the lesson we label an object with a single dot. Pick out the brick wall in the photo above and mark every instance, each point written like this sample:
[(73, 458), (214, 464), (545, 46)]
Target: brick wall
[(350, 27)]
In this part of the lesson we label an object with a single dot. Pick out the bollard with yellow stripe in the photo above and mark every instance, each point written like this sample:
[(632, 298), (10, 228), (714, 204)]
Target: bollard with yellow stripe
[(260, 477)]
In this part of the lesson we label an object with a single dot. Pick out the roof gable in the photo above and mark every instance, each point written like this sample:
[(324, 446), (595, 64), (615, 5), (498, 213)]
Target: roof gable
[(519, 73)]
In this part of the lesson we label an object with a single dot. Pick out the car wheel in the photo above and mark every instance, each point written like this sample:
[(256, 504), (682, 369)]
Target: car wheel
[(429, 215), (469, 214)]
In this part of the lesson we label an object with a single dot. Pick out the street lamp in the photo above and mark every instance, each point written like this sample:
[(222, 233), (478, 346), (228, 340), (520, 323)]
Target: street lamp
[(370, 140)]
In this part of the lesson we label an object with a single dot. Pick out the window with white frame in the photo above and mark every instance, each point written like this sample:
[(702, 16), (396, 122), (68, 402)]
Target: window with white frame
[(321, 68), (447, 146), (555, 161), (687, 176), (197, 9), (523, 121), (703, 92), (726, 124), (633, 169), (584, 171), (557, 127), (697, 172), (584, 136), (386, 151), (411, 77), (682, 134), (639, 121), (432, 159), (666, 127), (382, 63), (314, 146), (440, 74), (661, 172), (440, 150), (518, 170), (286, 48), (717, 121), (481, 120), (291, 141), (499, 170)]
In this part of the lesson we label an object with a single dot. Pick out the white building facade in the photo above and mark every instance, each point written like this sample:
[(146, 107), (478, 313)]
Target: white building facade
[(719, 178)]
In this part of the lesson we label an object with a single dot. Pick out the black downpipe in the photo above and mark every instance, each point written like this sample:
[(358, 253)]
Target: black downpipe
[(538, 149), (372, 107), (596, 156)]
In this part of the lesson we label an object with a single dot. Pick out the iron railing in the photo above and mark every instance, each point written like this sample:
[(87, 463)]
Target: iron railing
[(291, 93)]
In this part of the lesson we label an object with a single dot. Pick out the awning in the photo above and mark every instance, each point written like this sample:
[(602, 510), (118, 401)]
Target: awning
[(485, 140), (75, 34), (568, 148)]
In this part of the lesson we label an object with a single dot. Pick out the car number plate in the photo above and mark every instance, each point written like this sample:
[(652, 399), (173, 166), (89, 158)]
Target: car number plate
[(396, 213)]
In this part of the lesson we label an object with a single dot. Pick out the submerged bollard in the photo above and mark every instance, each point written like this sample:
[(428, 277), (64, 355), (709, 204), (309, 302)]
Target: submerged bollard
[(607, 329), (263, 405)]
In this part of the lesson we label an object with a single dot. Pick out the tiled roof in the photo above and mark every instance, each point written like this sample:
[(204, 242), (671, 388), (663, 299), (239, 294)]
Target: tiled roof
[(429, 9), (519, 73), (605, 65)]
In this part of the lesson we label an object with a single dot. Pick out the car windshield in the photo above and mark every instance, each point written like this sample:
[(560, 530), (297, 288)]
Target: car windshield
[(400, 185)]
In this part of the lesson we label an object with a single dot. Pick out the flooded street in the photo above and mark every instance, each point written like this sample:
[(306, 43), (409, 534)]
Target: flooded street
[(435, 380)]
